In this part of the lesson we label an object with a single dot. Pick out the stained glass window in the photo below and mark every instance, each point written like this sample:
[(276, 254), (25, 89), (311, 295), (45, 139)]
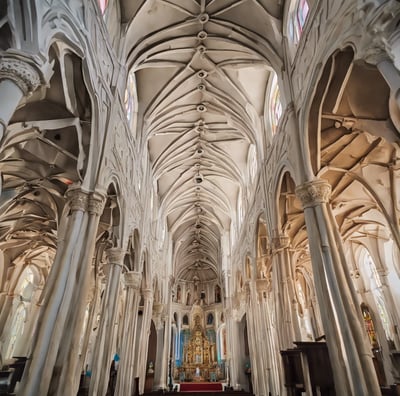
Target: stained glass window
[(275, 105), (129, 97), (376, 288), (297, 20), (103, 5)]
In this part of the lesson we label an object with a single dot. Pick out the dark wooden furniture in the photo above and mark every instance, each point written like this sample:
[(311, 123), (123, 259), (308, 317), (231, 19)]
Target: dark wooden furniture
[(308, 366)]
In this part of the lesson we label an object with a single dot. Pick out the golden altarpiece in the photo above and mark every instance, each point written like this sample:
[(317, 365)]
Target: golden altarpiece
[(199, 360)]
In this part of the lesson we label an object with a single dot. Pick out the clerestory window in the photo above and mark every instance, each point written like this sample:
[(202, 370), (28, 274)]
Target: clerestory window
[(103, 5), (275, 105), (297, 20)]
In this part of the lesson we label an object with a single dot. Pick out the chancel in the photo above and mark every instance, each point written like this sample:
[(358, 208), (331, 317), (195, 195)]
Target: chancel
[(200, 196)]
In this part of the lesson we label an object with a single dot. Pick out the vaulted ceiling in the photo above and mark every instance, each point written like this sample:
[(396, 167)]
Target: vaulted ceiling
[(202, 69)]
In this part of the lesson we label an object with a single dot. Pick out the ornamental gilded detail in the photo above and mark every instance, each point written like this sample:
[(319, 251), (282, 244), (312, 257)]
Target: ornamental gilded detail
[(21, 73), (313, 193)]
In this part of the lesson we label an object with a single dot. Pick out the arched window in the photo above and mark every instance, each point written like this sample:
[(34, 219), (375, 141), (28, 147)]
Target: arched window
[(129, 97), (297, 20), (275, 105), (217, 294), (17, 328), (25, 287), (103, 5), (252, 161), (376, 289), (178, 294), (240, 208), (302, 291)]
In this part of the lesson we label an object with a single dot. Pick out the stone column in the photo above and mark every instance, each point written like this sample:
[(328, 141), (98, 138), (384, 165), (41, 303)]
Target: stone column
[(67, 370), (144, 336), (125, 378), (350, 356), (391, 75), (166, 349), (159, 377), (257, 344), (274, 368), (284, 292), (159, 321), (18, 78), (233, 344), (56, 299), (104, 341)]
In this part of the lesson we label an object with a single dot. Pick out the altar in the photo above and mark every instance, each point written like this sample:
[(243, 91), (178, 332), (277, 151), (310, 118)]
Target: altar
[(199, 357)]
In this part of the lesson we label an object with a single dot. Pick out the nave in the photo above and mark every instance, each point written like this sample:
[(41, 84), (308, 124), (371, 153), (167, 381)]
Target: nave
[(200, 194)]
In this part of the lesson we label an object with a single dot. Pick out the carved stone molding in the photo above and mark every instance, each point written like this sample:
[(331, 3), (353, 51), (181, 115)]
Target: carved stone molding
[(78, 199), (115, 256), (313, 193), (262, 285), (21, 73), (280, 242), (133, 279)]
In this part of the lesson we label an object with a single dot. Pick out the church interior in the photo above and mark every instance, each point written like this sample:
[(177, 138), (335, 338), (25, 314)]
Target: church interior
[(200, 196)]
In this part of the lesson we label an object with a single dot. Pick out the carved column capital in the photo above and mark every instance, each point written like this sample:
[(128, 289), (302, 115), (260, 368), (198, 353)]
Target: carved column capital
[(96, 203), (133, 279), (280, 242), (23, 74), (115, 256), (147, 294), (78, 199), (376, 54), (313, 193), (158, 308)]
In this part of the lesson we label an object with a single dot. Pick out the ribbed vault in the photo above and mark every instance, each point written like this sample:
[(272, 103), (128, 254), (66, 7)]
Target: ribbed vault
[(201, 69)]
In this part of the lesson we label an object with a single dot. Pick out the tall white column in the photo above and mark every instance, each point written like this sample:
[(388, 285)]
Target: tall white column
[(125, 377), (104, 341), (159, 377), (67, 371), (165, 352), (351, 358), (233, 337), (284, 290), (56, 299), (144, 336), (257, 344)]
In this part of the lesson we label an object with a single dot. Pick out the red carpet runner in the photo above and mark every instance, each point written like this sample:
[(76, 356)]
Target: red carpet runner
[(201, 387)]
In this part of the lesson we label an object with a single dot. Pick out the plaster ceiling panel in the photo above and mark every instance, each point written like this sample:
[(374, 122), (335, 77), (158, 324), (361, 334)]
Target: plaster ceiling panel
[(201, 68), (251, 16), (157, 144), (149, 82), (272, 7), (154, 16), (130, 8)]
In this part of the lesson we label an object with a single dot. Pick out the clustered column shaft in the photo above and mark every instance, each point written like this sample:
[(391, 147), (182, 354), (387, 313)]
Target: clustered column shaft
[(105, 337), (125, 378), (346, 338)]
